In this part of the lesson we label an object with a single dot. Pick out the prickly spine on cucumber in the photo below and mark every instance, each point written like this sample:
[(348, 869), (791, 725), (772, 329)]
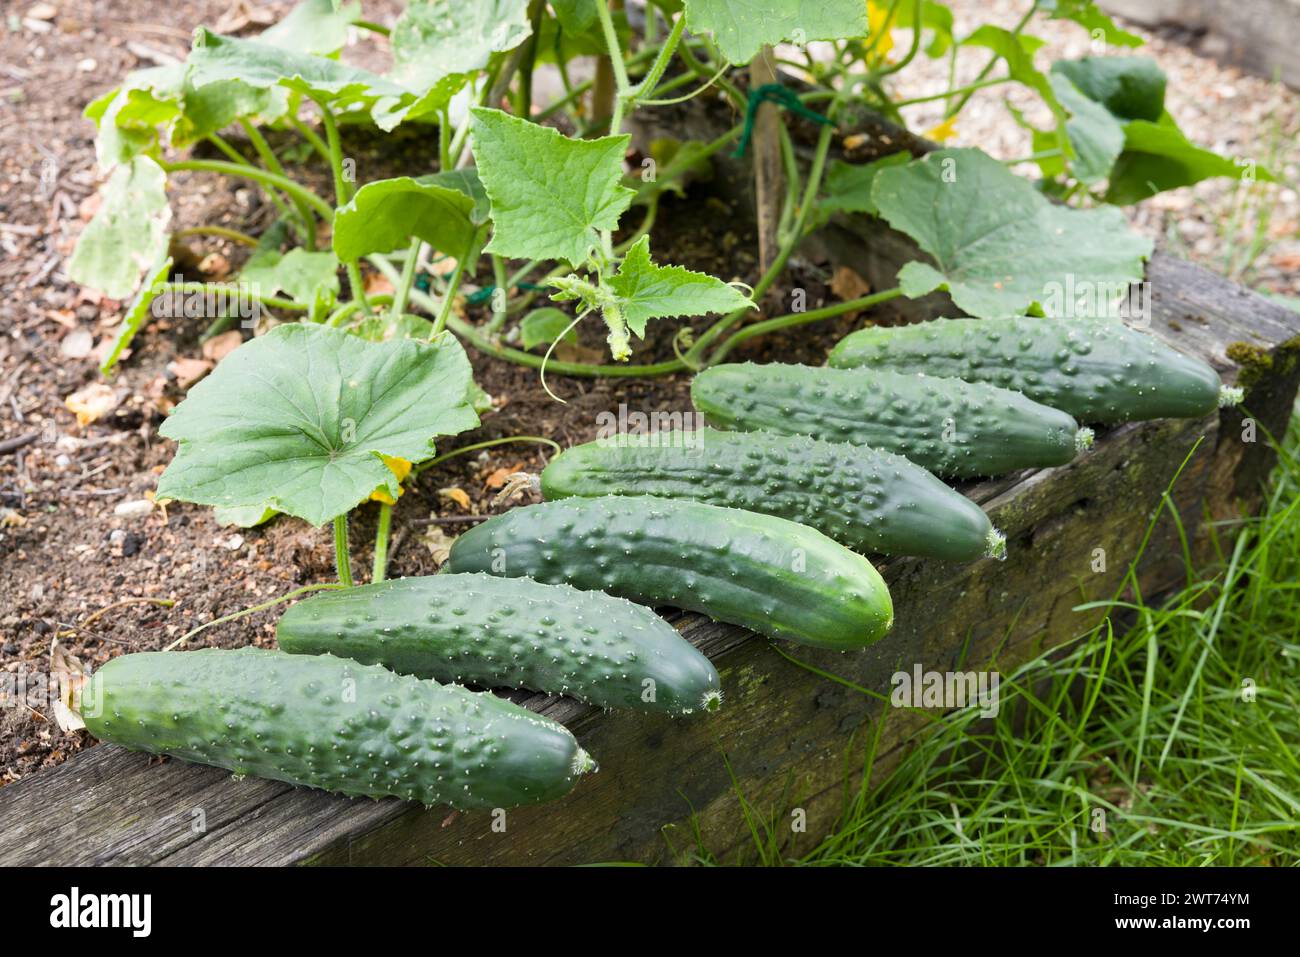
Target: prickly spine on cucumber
[(950, 427), (503, 632), (1098, 370), (768, 574), (867, 499), (331, 723)]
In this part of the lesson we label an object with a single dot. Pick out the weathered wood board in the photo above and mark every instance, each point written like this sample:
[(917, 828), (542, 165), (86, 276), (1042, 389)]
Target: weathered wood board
[(785, 733)]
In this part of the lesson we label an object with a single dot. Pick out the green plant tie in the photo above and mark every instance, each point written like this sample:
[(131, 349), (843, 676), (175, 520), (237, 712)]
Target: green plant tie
[(785, 98)]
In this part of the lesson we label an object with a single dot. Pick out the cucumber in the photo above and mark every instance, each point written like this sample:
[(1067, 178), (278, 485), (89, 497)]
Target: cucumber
[(1099, 371), (330, 723), (501, 632), (768, 574), (953, 428), (867, 499)]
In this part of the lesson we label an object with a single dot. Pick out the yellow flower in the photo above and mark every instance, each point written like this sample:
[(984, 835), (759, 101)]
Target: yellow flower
[(399, 467), (943, 132), (877, 15)]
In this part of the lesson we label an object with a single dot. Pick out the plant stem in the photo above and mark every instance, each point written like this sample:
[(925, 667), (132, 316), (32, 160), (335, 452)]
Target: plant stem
[(453, 285), (444, 140), (499, 280), (403, 286), (312, 137), (272, 163), (423, 466), (342, 193), (234, 235), (800, 318), (696, 352), (373, 27), (1015, 31), (257, 175), (656, 71), (970, 88), (380, 569), (341, 560), (234, 287)]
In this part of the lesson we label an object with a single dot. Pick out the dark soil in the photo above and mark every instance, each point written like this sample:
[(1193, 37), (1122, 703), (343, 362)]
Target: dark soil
[(64, 554)]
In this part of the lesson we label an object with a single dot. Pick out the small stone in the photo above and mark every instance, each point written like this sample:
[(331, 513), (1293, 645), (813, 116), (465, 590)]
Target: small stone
[(135, 508)]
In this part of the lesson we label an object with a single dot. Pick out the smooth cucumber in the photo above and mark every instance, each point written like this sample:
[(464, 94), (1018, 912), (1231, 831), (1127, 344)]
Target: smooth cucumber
[(768, 574), (509, 632), (331, 723), (1097, 370), (867, 499), (953, 428)]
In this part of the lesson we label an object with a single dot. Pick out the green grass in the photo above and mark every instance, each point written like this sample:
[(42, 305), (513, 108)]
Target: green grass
[(1146, 727)]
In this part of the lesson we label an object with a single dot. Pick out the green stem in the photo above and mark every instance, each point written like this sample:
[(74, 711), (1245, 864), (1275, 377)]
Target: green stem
[(453, 286), (656, 72), (272, 163), (380, 568), (502, 286), (615, 52), (234, 287), (971, 88), (234, 235), (403, 286), (696, 352), (800, 318), (312, 137), (342, 193), (539, 440), (993, 60), (444, 140), (217, 140), (341, 560), (373, 27), (258, 175)]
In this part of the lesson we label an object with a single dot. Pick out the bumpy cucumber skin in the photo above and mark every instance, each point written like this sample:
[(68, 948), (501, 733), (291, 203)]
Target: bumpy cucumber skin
[(867, 499), (335, 724), (953, 428), (501, 632), (1099, 371), (768, 574)]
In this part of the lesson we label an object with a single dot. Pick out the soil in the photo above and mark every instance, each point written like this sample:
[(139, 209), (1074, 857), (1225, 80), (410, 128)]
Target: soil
[(104, 583)]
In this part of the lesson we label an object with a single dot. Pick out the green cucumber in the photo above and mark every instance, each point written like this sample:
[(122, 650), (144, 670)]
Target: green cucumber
[(768, 574), (1099, 371), (502, 632), (867, 499), (330, 723), (953, 428)]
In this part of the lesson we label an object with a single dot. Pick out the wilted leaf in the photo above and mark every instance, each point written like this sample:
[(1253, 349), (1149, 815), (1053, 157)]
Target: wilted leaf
[(435, 38), (128, 233), (300, 274), (91, 403)]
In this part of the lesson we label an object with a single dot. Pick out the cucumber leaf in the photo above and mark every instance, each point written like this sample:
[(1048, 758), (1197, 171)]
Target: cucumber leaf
[(848, 186), (543, 326), (297, 420), (128, 233), (1130, 87), (302, 275), (314, 26), (433, 39), (136, 316), (446, 210), (1086, 14), (1017, 51), (997, 243), (1158, 156), (1096, 137), (243, 516), (646, 291), (550, 195), (936, 18), (742, 27)]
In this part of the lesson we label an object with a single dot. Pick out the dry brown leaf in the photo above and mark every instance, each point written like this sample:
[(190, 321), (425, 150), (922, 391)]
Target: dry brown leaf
[(188, 371), (214, 266), (377, 284), (1287, 261), (438, 542), (91, 403), (848, 283), (218, 347), (501, 476), (457, 495)]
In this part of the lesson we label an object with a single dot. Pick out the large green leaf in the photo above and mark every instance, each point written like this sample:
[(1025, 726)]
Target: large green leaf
[(436, 38), (302, 275), (297, 420), (997, 243), (550, 195), (220, 59), (1087, 15), (446, 210), (847, 188), (1157, 157), (129, 232), (1096, 137), (742, 27), (1017, 52), (1130, 87), (314, 26)]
